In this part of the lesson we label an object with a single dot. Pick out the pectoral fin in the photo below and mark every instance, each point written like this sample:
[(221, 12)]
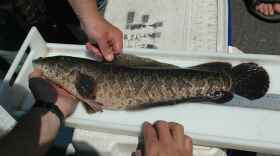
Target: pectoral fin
[(85, 86)]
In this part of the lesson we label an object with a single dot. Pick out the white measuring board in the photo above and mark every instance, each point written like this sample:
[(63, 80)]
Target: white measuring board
[(197, 25), (208, 124)]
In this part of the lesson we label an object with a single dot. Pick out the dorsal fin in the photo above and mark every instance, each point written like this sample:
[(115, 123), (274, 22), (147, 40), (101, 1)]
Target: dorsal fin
[(133, 61)]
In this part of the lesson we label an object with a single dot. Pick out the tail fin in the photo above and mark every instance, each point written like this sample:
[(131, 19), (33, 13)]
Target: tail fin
[(250, 80)]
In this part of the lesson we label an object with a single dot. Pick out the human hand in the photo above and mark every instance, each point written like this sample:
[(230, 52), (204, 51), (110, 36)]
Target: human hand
[(44, 90), (165, 139), (108, 37)]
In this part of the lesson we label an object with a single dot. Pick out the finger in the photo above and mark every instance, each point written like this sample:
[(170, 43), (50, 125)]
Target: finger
[(261, 8), (266, 9), (188, 143), (94, 49), (258, 7), (150, 140), (276, 7), (106, 50), (177, 132), (36, 73), (270, 9), (163, 131), (118, 44)]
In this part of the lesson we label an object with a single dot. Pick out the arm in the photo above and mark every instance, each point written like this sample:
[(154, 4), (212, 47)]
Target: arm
[(36, 131), (108, 37), (32, 135), (86, 11)]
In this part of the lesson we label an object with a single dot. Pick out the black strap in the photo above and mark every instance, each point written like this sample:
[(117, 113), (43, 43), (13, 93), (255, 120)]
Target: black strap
[(52, 108)]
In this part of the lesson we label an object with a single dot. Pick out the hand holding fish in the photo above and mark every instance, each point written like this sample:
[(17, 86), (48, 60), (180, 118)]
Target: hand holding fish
[(44, 90), (108, 37), (165, 139)]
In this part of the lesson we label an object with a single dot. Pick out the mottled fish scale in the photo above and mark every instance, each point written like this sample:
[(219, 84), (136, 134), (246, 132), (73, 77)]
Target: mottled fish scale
[(152, 87)]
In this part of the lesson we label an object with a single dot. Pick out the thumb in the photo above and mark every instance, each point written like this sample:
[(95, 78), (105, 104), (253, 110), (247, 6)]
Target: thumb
[(106, 50)]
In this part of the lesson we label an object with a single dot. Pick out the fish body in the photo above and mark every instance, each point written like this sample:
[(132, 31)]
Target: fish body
[(120, 86)]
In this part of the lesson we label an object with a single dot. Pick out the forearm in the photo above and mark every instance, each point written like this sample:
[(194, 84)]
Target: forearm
[(31, 136), (86, 10), (98, 30)]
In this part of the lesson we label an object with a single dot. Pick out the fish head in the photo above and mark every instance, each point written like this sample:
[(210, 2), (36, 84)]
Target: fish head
[(66, 73)]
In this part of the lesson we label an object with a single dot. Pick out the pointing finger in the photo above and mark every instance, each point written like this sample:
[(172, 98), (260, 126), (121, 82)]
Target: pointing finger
[(163, 131), (150, 139), (188, 143), (177, 132)]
